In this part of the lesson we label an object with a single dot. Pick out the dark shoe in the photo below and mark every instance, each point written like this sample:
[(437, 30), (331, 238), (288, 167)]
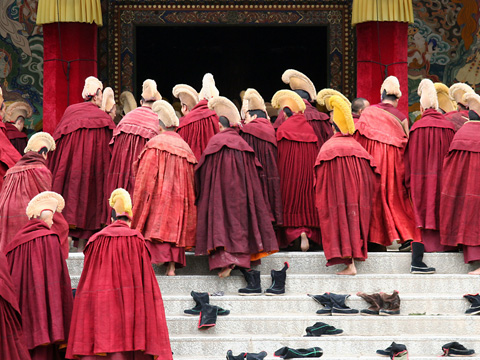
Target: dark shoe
[(259, 356), (278, 281), (252, 277), (289, 353), (208, 316), (320, 328), (456, 349), (391, 304), (406, 246), (394, 351), (475, 301), (230, 356), (339, 307), (325, 301), (418, 266), (200, 298), (376, 303)]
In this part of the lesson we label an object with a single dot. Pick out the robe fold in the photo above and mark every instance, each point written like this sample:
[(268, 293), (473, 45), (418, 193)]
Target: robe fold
[(118, 308), (18, 138), (79, 166), (260, 135), (198, 126), (428, 143), (40, 275), (234, 224), (380, 132), (457, 118), (345, 190), (8, 154), (164, 198)]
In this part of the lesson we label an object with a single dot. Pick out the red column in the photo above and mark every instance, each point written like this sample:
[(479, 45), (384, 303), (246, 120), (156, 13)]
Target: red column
[(383, 42), (74, 42)]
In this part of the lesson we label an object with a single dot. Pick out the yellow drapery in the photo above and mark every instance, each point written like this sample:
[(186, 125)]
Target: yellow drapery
[(382, 10), (85, 11)]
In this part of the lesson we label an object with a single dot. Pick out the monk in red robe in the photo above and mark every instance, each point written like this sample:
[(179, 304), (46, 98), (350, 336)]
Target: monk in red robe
[(201, 123), (234, 226), (40, 275), (8, 154), (259, 133), (80, 164), (382, 131), (429, 140), (460, 197), (358, 105), (345, 189), (303, 86), (27, 178), (188, 97), (15, 117), (458, 116), (164, 196), (118, 312)]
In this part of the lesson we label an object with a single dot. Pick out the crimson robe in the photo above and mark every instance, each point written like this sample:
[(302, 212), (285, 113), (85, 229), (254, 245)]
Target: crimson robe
[(198, 126), (40, 275), (118, 308), (8, 154), (164, 198), (18, 138), (80, 164), (260, 135), (12, 339), (297, 151), (457, 118), (234, 224), (345, 189), (320, 122), (380, 132), (428, 143), (26, 179)]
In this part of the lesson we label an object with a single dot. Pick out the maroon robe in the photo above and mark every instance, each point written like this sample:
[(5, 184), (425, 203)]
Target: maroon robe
[(234, 224), (40, 275), (457, 118), (18, 139), (23, 182), (356, 117), (345, 190), (428, 143), (8, 154), (12, 340), (118, 308), (80, 164), (260, 135), (460, 197), (198, 126)]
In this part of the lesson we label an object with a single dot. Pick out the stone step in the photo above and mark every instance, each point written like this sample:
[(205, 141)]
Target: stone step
[(331, 357), (294, 325)]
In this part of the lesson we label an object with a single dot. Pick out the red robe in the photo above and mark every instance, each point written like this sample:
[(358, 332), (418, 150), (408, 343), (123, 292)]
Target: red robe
[(164, 198), (260, 135), (27, 178), (12, 339), (40, 275), (428, 143), (18, 139), (345, 189), (320, 122), (8, 154), (460, 197), (118, 305), (297, 151), (457, 118), (380, 132), (198, 126), (79, 166), (234, 224)]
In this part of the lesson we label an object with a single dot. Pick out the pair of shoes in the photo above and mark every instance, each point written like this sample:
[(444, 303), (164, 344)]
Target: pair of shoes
[(334, 304), (255, 288), (320, 328), (395, 351), (475, 301), (247, 356), (208, 313), (289, 353), (200, 299), (418, 266), (381, 303), (456, 349)]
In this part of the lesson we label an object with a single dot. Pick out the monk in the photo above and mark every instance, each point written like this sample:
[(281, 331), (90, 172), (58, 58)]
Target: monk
[(27, 178), (201, 123), (382, 131), (15, 117), (234, 225), (429, 140), (188, 97), (460, 197), (358, 105), (459, 115), (345, 189), (164, 196), (303, 86), (80, 164), (118, 311), (40, 275)]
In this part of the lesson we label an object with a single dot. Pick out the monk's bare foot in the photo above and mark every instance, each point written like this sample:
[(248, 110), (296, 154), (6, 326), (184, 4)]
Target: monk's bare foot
[(304, 245), (474, 272), (349, 270), (225, 272), (170, 269), (81, 244)]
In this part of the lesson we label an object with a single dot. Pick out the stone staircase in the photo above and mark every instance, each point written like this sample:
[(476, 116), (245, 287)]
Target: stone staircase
[(432, 307)]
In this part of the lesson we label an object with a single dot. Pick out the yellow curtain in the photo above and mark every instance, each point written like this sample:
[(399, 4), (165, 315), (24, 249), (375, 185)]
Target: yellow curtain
[(86, 11), (382, 10)]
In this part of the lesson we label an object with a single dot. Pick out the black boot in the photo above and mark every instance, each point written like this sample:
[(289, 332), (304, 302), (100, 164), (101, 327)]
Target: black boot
[(200, 298), (252, 278), (418, 266), (289, 353), (395, 351), (278, 281), (339, 307), (325, 301), (456, 349), (208, 316), (320, 328), (240, 356), (259, 356), (475, 301)]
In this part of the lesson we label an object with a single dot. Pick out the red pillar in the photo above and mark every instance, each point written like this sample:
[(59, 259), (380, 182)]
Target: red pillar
[(383, 42), (69, 41)]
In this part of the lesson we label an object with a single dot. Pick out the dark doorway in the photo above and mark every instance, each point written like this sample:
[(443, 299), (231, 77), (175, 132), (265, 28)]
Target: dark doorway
[(239, 57)]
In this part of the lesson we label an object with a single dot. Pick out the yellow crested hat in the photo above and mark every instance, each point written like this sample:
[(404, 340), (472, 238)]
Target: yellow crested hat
[(39, 141), (324, 95), (127, 101), (19, 108), (149, 91), (47, 200), (299, 81), (458, 90), (290, 99), (92, 85), (252, 100), (187, 95), (209, 89), (445, 102), (224, 107), (166, 113), (342, 114), (428, 94), (108, 100), (121, 202), (391, 85)]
